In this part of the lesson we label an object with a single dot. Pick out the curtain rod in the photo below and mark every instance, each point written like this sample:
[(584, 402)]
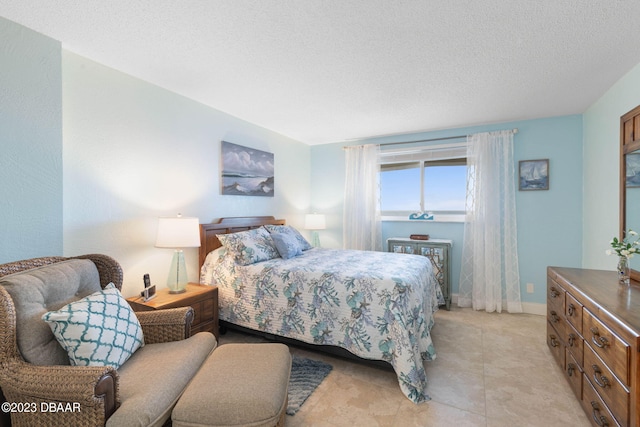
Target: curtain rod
[(423, 140), (515, 130)]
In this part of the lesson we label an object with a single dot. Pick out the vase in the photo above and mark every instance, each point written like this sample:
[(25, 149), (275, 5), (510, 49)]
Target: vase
[(623, 270)]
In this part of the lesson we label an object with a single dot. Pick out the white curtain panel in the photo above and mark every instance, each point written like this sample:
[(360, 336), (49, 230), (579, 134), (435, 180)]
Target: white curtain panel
[(489, 276), (362, 228)]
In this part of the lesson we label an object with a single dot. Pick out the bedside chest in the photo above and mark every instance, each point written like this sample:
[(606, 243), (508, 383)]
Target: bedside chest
[(202, 298), (437, 250)]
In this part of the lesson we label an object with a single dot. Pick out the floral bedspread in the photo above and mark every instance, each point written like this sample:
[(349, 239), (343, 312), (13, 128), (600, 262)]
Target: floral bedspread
[(377, 305)]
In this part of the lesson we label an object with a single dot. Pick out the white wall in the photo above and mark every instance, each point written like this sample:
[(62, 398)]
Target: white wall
[(30, 144), (601, 169), (134, 152)]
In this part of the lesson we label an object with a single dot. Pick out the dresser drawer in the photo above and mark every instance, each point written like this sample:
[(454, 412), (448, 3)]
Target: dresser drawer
[(575, 343), (612, 349), (573, 312), (559, 323), (573, 373), (555, 296), (555, 345), (597, 412), (608, 387)]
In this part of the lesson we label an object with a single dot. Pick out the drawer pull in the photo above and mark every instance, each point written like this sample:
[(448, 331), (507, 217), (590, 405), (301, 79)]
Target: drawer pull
[(572, 339), (571, 310), (554, 292), (600, 420), (596, 339), (554, 317), (570, 369), (600, 379), (553, 341)]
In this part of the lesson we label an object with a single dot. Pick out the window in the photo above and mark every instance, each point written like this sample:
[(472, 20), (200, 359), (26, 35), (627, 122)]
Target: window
[(426, 185)]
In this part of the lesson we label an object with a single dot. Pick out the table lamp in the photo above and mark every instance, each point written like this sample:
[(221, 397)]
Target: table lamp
[(178, 232), (315, 222)]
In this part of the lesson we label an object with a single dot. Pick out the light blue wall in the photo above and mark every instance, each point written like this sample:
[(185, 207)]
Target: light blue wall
[(30, 144), (549, 222), (601, 169)]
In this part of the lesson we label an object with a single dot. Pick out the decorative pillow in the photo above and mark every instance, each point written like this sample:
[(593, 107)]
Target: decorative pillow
[(97, 330), (287, 245), (249, 246), (287, 229)]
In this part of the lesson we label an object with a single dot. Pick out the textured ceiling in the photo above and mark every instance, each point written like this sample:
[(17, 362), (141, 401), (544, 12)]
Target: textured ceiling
[(325, 71)]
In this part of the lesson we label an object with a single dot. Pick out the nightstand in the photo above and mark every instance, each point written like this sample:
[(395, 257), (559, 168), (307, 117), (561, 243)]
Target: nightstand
[(437, 250), (203, 299)]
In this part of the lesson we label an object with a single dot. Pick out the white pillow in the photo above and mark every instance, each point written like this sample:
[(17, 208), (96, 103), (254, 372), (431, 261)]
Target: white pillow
[(100, 329)]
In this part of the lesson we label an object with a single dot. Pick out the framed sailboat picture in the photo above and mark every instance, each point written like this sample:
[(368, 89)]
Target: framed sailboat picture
[(534, 174)]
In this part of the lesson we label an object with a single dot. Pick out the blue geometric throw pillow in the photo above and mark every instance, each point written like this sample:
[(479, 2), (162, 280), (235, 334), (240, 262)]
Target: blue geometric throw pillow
[(98, 330)]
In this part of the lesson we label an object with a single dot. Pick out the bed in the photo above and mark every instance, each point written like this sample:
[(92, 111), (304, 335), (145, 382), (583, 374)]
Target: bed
[(376, 305)]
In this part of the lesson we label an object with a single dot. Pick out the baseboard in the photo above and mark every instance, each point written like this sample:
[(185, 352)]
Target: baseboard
[(527, 307), (534, 308)]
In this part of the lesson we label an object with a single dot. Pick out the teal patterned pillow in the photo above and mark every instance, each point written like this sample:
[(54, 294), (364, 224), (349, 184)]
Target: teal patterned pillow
[(250, 246), (287, 245), (287, 229), (98, 330)]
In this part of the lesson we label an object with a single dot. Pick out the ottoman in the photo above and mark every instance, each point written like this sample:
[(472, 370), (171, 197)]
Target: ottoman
[(238, 385)]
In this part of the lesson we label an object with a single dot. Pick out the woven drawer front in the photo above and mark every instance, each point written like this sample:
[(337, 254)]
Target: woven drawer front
[(573, 312), (614, 394), (612, 349)]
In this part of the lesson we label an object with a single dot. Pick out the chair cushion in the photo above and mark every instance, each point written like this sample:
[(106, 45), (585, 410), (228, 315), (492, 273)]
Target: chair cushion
[(42, 289), (100, 329), (153, 379)]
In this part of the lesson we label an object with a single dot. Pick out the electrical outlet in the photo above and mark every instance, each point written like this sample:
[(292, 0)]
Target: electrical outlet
[(529, 288)]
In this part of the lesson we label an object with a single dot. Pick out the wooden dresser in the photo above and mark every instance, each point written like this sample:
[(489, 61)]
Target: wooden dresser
[(593, 331)]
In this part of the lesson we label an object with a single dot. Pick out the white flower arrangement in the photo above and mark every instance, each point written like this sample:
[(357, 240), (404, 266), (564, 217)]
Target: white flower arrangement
[(625, 247)]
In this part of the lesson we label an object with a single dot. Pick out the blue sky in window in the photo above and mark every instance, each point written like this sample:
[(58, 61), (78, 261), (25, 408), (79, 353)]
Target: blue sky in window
[(445, 188)]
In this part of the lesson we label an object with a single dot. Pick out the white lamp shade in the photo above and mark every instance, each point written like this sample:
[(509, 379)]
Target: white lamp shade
[(315, 222), (178, 232)]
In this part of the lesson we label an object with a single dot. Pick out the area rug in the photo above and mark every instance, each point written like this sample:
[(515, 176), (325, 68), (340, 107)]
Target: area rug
[(306, 376)]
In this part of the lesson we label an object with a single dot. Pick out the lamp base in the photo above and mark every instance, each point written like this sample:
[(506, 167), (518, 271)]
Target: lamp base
[(177, 280), (315, 239)]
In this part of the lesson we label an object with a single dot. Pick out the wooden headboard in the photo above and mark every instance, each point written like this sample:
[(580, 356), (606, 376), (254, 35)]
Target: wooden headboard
[(209, 232)]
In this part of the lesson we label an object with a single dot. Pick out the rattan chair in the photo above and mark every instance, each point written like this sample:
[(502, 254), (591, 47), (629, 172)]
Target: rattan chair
[(95, 388)]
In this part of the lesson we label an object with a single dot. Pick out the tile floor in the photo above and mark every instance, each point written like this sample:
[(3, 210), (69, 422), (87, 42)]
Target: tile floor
[(491, 370)]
